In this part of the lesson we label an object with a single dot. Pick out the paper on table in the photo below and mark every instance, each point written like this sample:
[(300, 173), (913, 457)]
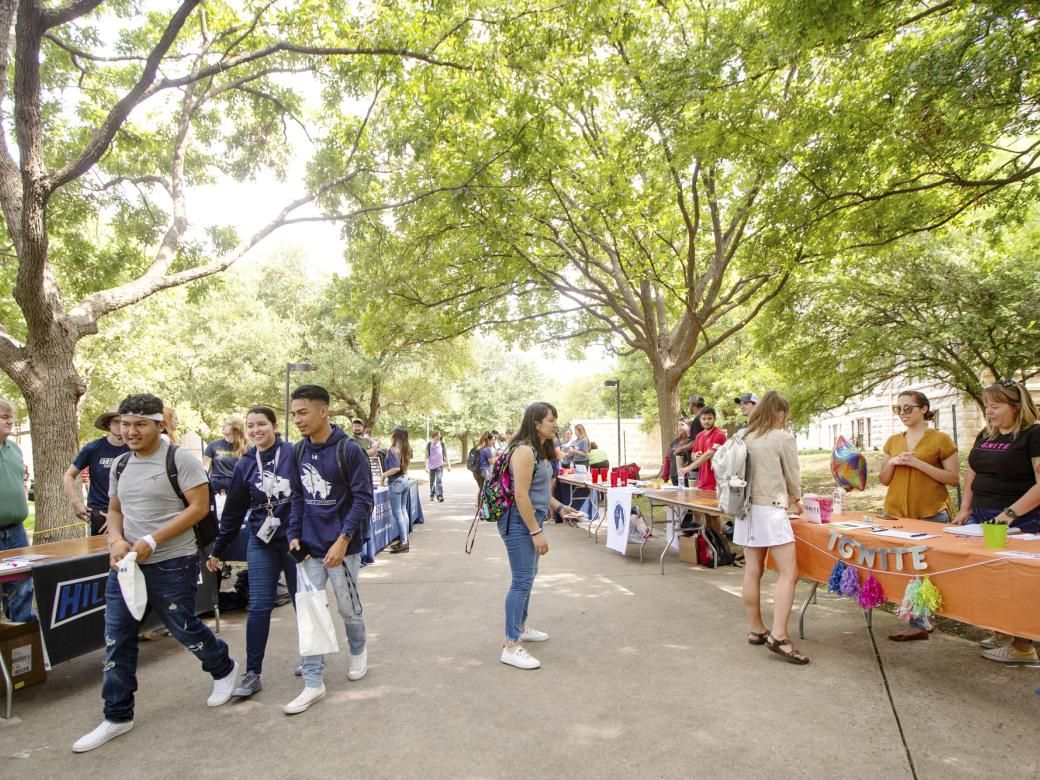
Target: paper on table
[(1017, 554), (28, 558), (974, 529), (851, 524), (1027, 537), (896, 534)]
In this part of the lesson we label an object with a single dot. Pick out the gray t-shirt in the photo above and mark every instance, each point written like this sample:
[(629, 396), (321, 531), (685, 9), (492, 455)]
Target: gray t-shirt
[(149, 501)]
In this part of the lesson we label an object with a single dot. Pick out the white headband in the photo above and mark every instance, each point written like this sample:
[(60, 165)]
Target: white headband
[(156, 417)]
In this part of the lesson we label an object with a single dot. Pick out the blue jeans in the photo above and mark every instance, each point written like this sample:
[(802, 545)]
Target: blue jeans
[(399, 506), (437, 482), (1029, 523), (18, 595), (172, 586), (344, 585), (266, 562), (523, 566)]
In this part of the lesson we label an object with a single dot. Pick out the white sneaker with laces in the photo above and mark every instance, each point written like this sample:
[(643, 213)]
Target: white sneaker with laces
[(520, 658), (223, 687), (994, 641), (102, 734), (358, 665), (1009, 654), (306, 698), (532, 635)]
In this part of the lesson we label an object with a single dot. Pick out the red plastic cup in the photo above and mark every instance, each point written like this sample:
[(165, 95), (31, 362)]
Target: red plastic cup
[(595, 476), (614, 478), (603, 474), (624, 478)]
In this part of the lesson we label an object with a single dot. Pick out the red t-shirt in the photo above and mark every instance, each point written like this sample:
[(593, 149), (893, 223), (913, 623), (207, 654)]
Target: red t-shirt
[(708, 440)]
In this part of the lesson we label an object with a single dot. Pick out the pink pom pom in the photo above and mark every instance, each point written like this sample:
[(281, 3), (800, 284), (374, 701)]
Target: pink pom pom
[(871, 595)]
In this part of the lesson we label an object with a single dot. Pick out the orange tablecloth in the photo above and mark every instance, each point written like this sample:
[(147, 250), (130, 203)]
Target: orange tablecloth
[(996, 592)]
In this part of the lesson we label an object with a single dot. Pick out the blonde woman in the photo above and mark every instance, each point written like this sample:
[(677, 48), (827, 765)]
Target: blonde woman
[(221, 455), (1003, 483), (775, 487), (578, 449)]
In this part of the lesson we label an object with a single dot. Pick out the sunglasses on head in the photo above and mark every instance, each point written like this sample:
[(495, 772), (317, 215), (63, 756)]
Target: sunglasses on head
[(905, 408), (1007, 383)]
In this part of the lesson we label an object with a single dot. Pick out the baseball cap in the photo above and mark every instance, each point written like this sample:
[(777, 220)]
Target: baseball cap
[(747, 397)]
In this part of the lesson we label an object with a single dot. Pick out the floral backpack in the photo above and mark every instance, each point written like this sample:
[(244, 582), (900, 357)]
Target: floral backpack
[(496, 496)]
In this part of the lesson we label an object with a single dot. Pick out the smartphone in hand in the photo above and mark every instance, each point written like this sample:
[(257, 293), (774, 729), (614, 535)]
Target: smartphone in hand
[(302, 554)]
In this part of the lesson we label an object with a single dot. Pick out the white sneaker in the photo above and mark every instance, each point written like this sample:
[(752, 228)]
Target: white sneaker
[(520, 658), (358, 666), (102, 734), (994, 641), (223, 687), (306, 698), (532, 635)]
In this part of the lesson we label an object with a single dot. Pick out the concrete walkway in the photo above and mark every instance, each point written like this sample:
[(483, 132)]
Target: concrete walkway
[(645, 676)]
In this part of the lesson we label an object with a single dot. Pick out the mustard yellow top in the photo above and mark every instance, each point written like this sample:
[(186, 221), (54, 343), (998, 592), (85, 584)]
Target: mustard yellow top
[(912, 493)]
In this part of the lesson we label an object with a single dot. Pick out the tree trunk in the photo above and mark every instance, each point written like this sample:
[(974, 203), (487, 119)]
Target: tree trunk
[(666, 385), (464, 447), (52, 391)]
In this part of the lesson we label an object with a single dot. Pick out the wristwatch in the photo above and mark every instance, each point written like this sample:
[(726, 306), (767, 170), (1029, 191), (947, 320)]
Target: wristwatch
[(1010, 513)]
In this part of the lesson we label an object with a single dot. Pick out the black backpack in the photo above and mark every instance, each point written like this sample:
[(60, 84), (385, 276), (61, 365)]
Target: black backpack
[(206, 529), (718, 551), (341, 459), (473, 459)]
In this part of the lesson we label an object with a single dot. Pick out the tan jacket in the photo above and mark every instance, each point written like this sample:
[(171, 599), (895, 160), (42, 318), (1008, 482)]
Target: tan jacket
[(775, 475)]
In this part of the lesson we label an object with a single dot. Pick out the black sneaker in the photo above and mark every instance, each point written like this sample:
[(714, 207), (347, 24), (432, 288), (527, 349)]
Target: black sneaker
[(441, 499), (399, 549)]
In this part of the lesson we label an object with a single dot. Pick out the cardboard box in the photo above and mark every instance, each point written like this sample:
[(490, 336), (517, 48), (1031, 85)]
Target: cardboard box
[(688, 549), (22, 649)]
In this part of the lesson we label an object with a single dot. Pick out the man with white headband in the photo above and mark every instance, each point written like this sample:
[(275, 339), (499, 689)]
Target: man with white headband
[(147, 517)]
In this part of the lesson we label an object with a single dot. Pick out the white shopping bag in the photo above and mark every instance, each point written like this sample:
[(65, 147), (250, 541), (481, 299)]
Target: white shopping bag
[(313, 619), (131, 583)]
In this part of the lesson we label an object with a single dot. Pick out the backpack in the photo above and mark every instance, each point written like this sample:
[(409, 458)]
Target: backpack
[(341, 459), (206, 529), (496, 496), (732, 468), (713, 549), (473, 459)]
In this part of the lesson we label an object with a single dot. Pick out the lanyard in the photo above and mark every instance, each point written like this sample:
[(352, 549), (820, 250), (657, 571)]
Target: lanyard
[(268, 489)]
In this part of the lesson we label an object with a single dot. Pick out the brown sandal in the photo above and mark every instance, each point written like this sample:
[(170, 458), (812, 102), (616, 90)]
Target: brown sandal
[(754, 638), (792, 655)]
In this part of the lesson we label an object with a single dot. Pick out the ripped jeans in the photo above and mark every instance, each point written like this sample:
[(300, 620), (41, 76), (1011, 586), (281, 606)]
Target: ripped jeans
[(172, 588)]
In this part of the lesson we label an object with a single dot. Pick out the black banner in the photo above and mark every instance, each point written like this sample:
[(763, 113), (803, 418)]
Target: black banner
[(70, 597)]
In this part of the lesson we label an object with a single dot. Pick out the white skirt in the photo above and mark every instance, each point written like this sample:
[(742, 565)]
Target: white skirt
[(766, 526)]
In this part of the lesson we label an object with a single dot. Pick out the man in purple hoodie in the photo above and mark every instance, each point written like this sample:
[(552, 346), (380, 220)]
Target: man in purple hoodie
[(331, 508)]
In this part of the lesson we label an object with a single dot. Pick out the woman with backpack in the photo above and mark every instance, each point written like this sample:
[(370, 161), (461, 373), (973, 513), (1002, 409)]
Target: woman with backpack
[(260, 487), (766, 529), (526, 468), (395, 476)]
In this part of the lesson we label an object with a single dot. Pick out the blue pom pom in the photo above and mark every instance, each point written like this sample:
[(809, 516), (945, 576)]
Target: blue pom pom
[(834, 582)]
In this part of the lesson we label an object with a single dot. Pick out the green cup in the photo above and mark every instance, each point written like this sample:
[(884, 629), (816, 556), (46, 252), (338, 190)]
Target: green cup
[(995, 534)]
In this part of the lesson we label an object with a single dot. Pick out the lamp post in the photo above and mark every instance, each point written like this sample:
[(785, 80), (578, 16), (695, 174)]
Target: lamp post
[(616, 384), (289, 368)]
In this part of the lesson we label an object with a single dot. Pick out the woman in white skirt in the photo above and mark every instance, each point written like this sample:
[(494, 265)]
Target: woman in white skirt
[(775, 486)]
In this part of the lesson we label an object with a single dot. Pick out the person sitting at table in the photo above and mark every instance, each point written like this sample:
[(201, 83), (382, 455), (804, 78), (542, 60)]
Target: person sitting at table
[(917, 465), (578, 448), (766, 529), (673, 459), (260, 489), (1003, 484), (598, 459)]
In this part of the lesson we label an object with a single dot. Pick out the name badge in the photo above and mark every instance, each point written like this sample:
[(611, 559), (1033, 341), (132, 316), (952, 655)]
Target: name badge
[(269, 528)]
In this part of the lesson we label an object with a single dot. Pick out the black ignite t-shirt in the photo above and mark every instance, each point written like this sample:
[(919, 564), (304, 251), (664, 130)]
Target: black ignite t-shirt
[(1003, 467)]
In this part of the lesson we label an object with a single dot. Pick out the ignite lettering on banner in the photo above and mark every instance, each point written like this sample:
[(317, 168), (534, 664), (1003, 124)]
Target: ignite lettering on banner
[(847, 548)]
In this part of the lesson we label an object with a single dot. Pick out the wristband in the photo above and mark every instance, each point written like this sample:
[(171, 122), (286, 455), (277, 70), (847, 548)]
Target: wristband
[(150, 540), (535, 533)]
